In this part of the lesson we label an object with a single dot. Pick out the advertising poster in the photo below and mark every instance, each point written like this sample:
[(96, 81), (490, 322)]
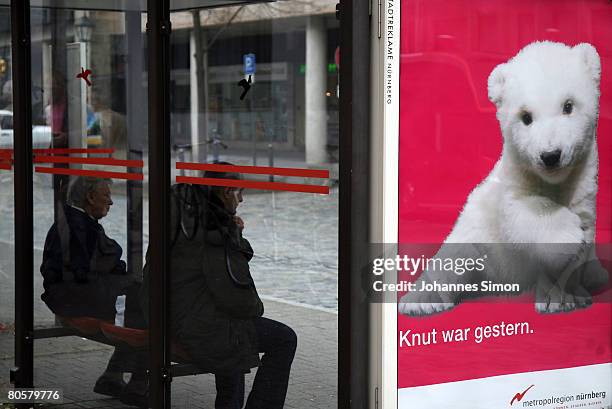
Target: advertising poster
[(505, 204)]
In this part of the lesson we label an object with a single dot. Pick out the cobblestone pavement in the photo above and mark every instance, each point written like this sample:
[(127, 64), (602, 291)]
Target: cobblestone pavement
[(73, 364)]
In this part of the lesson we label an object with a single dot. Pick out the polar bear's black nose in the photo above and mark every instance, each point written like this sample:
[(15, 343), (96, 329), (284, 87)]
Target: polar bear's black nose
[(551, 159)]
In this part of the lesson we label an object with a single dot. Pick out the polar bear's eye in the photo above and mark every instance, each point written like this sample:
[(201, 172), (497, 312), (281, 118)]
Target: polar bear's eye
[(526, 118), (568, 107)]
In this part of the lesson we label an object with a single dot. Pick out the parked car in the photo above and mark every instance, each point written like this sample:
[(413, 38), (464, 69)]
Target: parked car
[(41, 134)]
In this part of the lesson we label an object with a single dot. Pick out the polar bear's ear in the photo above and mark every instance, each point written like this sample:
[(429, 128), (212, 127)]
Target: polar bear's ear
[(496, 82), (589, 56)]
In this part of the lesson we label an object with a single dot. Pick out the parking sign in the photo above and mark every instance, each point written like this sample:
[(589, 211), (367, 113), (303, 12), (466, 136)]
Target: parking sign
[(249, 63)]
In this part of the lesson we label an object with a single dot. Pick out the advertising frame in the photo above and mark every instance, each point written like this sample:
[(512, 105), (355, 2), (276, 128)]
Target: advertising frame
[(385, 195)]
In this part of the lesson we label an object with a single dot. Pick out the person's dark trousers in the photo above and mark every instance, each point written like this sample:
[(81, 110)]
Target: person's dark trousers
[(278, 342), (126, 359), (230, 391)]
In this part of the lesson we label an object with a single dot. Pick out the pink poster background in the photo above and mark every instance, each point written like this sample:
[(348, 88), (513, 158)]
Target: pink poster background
[(450, 140)]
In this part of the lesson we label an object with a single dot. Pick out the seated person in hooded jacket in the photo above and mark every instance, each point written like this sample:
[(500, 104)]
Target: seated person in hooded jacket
[(83, 276), (216, 313)]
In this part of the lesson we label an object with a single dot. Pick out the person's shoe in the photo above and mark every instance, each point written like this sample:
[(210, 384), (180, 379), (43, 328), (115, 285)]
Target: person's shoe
[(132, 399), (109, 385), (136, 393)]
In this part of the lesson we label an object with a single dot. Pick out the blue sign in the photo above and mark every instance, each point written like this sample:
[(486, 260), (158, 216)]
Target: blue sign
[(249, 63)]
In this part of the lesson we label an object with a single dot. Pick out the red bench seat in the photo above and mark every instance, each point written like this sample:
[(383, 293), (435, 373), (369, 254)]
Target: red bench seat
[(85, 325), (136, 338)]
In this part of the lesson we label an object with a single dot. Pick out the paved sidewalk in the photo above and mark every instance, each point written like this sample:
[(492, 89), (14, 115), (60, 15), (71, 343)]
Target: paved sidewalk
[(73, 364)]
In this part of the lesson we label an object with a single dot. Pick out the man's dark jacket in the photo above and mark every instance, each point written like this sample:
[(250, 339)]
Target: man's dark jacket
[(82, 268), (212, 304)]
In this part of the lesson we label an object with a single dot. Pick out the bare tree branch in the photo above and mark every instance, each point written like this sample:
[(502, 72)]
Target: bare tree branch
[(212, 41)]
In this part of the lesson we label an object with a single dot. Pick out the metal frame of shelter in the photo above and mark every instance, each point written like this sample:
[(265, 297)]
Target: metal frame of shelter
[(353, 386)]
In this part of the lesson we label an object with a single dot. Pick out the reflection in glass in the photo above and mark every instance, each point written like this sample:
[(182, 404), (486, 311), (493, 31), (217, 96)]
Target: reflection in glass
[(89, 200), (287, 118), (89, 114), (7, 215)]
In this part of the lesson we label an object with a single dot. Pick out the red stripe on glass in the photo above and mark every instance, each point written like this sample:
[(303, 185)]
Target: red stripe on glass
[(259, 170), (72, 150), (90, 161), (86, 172), (251, 184)]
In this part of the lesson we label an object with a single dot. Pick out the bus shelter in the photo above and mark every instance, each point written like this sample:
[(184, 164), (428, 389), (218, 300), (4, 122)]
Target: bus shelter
[(148, 95)]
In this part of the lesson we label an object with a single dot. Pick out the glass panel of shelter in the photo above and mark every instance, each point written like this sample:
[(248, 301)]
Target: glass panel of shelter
[(7, 216), (89, 84), (255, 203), (90, 198)]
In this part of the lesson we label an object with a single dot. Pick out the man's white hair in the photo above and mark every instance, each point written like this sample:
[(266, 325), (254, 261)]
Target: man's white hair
[(81, 186)]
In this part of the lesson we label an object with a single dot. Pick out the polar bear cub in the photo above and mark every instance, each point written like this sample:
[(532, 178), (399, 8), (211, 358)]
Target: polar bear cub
[(540, 197)]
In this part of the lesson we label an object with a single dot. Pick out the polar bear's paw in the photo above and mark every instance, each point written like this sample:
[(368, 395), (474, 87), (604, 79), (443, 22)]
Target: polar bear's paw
[(581, 297), (423, 303), (557, 300), (420, 309), (554, 307)]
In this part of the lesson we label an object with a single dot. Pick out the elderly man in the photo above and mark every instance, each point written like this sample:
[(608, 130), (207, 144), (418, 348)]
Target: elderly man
[(84, 274)]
